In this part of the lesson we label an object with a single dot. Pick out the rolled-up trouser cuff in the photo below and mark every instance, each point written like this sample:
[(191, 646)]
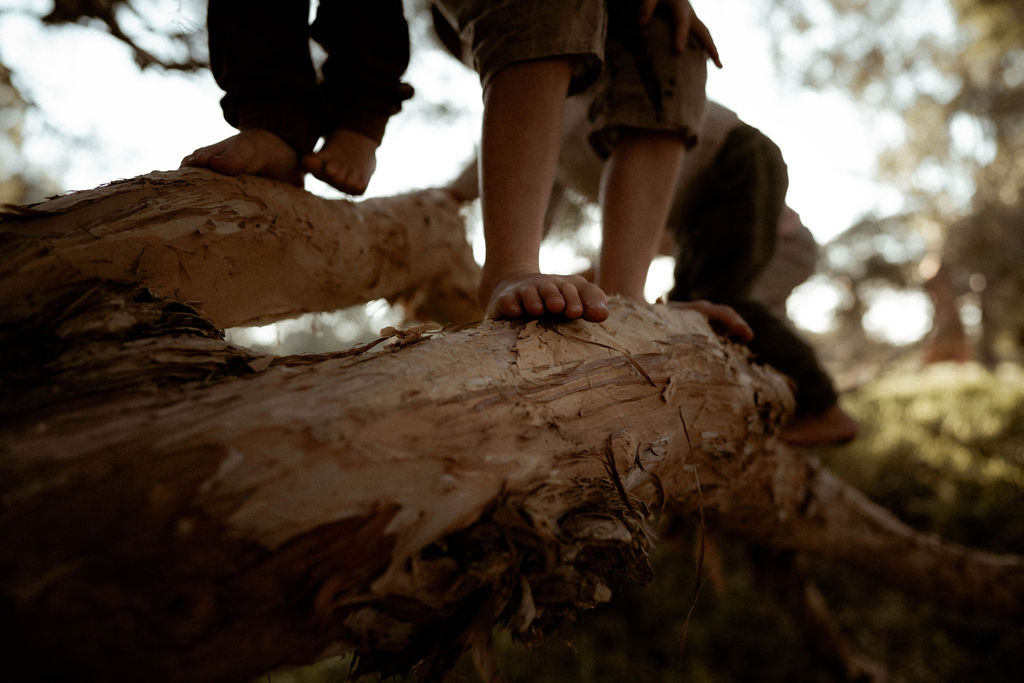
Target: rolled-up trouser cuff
[(364, 113), (293, 125), (646, 85), (504, 32)]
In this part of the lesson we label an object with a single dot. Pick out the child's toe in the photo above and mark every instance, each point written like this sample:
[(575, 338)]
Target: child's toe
[(506, 306), (531, 301), (595, 304), (226, 163), (552, 298), (573, 303)]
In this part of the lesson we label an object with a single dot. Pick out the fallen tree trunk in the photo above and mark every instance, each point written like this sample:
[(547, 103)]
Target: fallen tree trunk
[(176, 507), (242, 250)]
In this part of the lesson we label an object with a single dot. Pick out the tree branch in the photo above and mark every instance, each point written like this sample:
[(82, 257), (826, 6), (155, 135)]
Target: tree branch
[(173, 503)]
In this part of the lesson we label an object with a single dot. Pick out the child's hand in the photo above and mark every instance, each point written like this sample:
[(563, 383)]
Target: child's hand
[(686, 22), (537, 295), (723, 318)]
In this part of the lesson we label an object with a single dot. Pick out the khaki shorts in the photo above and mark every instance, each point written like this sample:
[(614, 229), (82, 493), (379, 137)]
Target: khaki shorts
[(645, 84), (502, 32)]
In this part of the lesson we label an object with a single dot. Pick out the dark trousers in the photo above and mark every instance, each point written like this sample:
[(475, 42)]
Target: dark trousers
[(260, 57), (725, 242)]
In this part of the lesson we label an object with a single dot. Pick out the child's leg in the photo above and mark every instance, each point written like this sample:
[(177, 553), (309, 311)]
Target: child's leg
[(259, 55), (729, 233), (637, 190), (819, 419), (367, 44), (529, 53), (646, 113), (522, 127)]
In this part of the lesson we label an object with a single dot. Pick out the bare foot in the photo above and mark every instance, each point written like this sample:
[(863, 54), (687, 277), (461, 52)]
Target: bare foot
[(250, 152), (832, 427), (723, 318), (346, 161), (537, 295)]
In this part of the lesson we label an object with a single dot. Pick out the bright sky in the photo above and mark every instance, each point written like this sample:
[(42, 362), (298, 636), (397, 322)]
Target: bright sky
[(125, 123)]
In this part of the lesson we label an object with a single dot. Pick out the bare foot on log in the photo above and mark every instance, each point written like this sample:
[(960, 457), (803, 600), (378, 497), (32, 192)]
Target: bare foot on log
[(535, 295), (831, 427), (251, 152), (346, 161)]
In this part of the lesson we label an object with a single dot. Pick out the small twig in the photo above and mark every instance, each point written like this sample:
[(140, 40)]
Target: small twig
[(613, 473), (700, 567), (686, 430), (655, 480)]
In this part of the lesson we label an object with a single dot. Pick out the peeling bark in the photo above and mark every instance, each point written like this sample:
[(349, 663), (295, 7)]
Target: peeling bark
[(242, 250), (177, 507)]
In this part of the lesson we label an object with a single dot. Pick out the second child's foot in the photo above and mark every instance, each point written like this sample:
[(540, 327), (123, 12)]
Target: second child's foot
[(832, 427), (251, 152), (346, 161), (535, 295)]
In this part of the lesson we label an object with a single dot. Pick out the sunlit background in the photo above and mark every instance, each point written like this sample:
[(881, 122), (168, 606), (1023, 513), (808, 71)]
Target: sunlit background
[(902, 122), (96, 117)]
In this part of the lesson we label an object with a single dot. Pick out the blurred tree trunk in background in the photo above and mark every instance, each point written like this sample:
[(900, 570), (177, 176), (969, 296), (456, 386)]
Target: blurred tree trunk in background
[(947, 341)]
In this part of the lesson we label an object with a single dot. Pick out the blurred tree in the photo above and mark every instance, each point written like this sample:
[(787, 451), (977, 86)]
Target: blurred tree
[(18, 180), (950, 75), (168, 34)]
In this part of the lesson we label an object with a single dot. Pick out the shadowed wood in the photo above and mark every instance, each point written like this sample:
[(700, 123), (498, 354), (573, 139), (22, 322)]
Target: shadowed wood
[(172, 503)]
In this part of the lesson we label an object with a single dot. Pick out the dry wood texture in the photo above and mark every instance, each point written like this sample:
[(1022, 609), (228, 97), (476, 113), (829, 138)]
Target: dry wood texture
[(174, 507), (241, 250)]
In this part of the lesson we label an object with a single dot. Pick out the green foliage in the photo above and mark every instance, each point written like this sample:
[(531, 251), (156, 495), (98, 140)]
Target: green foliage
[(989, 244), (174, 28), (952, 73), (18, 181), (944, 450)]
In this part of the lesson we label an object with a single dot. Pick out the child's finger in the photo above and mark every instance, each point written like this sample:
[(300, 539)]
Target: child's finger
[(703, 36), (682, 13), (719, 315)]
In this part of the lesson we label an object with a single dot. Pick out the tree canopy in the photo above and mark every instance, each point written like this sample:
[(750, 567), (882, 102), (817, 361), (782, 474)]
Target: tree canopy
[(948, 77)]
